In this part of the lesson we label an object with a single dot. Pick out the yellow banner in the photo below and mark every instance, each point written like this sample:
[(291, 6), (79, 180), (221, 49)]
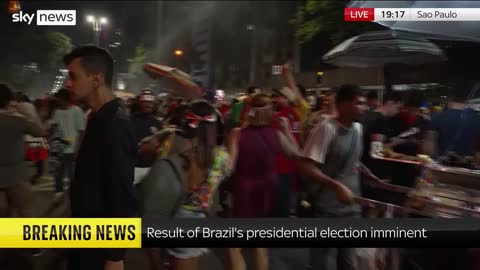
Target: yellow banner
[(70, 233)]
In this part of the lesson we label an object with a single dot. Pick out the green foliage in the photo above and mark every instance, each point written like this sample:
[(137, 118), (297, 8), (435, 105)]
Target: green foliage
[(327, 17), (142, 54), (45, 48), (59, 45)]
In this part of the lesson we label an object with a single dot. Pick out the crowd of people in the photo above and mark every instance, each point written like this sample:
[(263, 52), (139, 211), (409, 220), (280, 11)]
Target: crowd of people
[(273, 155)]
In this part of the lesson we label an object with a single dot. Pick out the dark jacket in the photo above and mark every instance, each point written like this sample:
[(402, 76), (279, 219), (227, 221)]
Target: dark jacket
[(102, 186)]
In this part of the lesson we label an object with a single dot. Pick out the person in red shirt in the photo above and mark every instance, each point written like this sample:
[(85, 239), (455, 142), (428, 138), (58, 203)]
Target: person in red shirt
[(285, 167), (251, 91), (223, 107)]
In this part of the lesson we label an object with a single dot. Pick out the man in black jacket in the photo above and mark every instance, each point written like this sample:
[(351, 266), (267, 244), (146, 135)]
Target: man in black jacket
[(102, 186)]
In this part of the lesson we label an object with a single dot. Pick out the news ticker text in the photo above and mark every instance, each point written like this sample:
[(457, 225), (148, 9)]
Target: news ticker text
[(213, 232)]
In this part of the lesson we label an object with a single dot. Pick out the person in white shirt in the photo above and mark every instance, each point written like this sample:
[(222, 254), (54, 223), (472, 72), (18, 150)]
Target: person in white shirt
[(331, 161), (70, 119), (13, 168), (24, 106)]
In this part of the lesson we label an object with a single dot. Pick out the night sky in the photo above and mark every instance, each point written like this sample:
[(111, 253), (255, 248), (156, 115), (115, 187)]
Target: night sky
[(140, 23), (128, 16), (136, 19)]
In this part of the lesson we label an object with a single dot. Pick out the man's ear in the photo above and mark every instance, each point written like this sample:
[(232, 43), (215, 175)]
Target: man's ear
[(98, 80)]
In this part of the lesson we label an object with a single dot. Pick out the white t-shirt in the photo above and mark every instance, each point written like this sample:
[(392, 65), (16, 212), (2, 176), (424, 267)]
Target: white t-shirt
[(337, 150), (70, 122), (29, 111)]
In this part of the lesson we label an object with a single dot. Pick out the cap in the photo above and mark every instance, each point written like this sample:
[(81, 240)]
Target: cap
[(146, 95)]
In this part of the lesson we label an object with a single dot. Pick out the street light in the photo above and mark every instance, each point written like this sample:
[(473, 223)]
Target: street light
[(178, 52), (253, 52), (97, 27), (13, 6)]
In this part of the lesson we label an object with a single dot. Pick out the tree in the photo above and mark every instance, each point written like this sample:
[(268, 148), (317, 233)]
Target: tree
[(44, 48), (142, 54), (58, 45), (137, 77), (327, 18)]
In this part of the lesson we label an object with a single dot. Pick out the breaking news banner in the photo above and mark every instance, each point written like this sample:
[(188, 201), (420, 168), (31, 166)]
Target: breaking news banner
[(311, 232), (212, 232), (70, 233)]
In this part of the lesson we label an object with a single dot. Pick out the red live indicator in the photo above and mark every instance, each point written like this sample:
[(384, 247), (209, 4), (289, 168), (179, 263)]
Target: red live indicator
[(359, 14)]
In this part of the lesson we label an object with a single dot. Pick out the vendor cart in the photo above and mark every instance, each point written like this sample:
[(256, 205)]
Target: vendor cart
[(441, 192)]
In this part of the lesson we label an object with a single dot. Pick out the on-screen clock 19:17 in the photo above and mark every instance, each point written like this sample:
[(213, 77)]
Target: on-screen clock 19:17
[(387, 14)]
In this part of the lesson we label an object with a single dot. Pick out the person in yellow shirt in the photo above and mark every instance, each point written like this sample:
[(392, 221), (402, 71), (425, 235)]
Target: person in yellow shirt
[(300, 103)]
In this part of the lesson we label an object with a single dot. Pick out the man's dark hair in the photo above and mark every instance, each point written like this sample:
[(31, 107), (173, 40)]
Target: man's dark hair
[(63, 94), (347, 92), (372, 95), (93, 59), (415, 99), (251, 90), (393, 96), (6, 95)]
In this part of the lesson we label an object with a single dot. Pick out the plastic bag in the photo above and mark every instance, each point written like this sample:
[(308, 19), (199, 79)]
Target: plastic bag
[(377, 258)]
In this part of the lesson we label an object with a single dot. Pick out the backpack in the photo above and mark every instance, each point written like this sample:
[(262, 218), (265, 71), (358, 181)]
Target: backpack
[(161, 191)]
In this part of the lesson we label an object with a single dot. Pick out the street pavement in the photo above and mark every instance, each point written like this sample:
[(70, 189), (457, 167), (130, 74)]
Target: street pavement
[(44, 204)]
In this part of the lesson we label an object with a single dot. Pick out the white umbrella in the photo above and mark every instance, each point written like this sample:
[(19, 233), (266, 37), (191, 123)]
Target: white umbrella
[(453, 30), (382, 48)]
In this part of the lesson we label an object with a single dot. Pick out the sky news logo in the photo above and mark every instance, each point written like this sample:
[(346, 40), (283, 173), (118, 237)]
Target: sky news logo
[(47, 17)]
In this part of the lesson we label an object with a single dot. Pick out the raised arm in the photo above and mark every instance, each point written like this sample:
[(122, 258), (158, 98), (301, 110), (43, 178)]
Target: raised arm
[(290, 81)]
